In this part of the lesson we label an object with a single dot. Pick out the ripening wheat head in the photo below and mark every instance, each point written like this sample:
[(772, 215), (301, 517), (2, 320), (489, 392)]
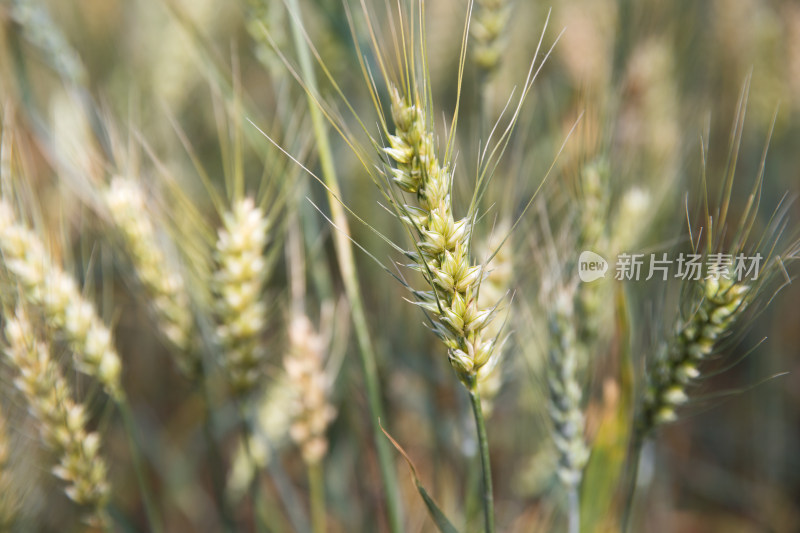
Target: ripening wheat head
[(62, 421), (48, 288), (414, 170), (239, 279), (162, 283), (564, 387), (495, 288), (304, 363), (489, 27), (442, 249), (737, 283), (416, 175), (271, 421)]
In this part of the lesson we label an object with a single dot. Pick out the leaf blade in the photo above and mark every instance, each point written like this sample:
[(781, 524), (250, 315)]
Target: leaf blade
[(437, 515)]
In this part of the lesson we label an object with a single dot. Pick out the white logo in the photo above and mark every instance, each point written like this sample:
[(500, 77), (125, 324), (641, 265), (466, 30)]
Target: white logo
[(591, 266)]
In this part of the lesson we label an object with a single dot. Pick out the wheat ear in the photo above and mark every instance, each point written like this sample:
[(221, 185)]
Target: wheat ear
[(312, 410), (565, 400), (442, 252), (271, 423), (489, 24), (723, 300), (167, 295), (305, 366), (44, 33), (47, 287), (442, 257), (565, 391), (62, 421), (239, 285)]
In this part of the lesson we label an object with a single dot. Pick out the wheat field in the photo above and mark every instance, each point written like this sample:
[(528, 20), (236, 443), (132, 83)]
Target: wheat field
[(402, 266)]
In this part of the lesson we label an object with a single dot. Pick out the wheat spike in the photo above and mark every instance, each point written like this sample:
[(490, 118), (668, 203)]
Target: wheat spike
[(723, 300), (489, 25), (47, 287), (167, 295), (43, 32), (442, 250), (565, 391), (305, 367), (272, 420), (62, 421), (239, 285)]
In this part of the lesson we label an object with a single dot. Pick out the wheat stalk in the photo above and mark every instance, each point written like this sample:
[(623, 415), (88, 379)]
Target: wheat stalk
[(272, 420)]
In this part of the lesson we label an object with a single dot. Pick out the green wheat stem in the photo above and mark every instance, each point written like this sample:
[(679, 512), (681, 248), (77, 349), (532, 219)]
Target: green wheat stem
[(573, 510), (317, 266), (634, 457), (259, 518), (473, 505), (622, 46), (484, 123), (290, 501), (216, 462), (483, 443), (316, 487), (107, 527), (344, 254), (153, 521)]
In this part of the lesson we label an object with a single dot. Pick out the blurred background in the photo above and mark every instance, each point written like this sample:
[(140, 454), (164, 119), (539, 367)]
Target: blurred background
[(650, 83)]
